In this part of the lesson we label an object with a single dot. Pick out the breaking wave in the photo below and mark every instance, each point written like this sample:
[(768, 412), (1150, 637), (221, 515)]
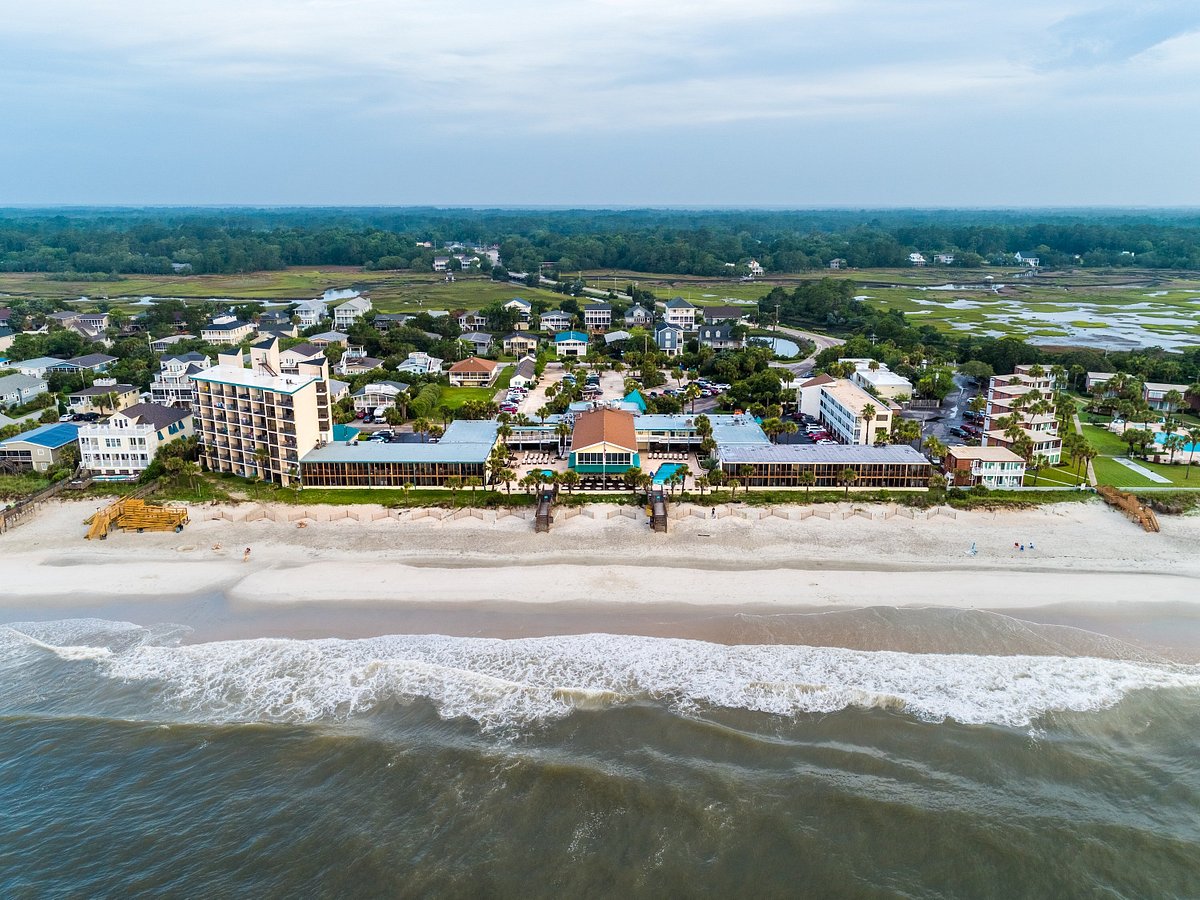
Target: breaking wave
[(503, 683)]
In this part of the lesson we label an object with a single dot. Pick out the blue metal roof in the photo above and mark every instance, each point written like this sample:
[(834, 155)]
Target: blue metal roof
[(570, 336), (53, 435)]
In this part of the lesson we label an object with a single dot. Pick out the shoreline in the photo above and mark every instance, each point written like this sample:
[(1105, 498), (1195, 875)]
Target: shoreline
[(605, 574)]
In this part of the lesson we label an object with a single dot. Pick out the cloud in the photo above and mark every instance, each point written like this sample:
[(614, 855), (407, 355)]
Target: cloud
[(1117, 33)]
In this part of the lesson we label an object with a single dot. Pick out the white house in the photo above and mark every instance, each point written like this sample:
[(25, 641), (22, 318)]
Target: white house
[(310, 312), (370, 397), (174, 385), (571, 343), (420, 364), (38, 366), (916, 259), (638, 315), (121, 448), (525, 373), (226, 330), (554, 320), (1026, 259), (681, 314), (597, 316), (993, 467), (346, 314), (754, 268)]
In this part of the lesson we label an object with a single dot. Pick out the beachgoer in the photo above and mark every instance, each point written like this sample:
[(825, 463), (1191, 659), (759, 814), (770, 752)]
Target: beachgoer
[(1022, 548), (1031, 545), (246, 555), (1016, 545), (714, 513)]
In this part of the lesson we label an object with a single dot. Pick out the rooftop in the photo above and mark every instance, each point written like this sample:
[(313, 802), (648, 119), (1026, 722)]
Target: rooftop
[(97, 390), (242, 377), (54, 435), (474, 364), (570, 336), (92, 359), (821, 454), (604, 426), (38, 362), (984, 454), (851, 396), (155, 415)]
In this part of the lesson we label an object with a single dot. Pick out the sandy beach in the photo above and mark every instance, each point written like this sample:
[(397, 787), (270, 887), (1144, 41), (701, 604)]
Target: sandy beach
[(1075, 553)]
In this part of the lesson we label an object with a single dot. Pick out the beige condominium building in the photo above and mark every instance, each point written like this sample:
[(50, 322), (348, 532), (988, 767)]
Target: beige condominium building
[(844, 408), (254, 421)]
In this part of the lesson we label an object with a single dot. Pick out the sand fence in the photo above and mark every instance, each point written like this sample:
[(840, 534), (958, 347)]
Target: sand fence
[(366, 514)]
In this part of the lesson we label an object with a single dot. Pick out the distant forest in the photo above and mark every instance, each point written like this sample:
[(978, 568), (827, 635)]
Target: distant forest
[(685, 242)]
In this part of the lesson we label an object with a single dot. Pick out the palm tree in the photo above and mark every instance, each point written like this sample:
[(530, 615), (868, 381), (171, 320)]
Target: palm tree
[(406, 487), (504, 432), (454, 483), (937, 484), (691, 394), (935, 448), (1173, 443), (542, 412), (506, 477), (734, 484), (1193, 434), (868, 414), (773, 428), (701, 484), (262, 456), (1173, 399), (473, 482), (683, 472), (421, 427), (562, 431), (808, 478), (1036, 464), (446, 414), (569, 479), (630, 476), (847, 477)]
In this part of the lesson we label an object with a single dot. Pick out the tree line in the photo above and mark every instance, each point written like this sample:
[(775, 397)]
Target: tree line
[(685, 242)]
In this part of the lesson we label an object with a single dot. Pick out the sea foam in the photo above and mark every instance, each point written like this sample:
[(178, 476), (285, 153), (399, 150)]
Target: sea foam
[(502, 683)]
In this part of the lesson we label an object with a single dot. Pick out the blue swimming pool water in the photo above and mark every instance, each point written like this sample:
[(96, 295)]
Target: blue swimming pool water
[(665, 471), (1161, 438)]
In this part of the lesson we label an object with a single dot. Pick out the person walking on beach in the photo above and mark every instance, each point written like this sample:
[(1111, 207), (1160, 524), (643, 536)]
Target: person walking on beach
[(246, 555), (973, 549)]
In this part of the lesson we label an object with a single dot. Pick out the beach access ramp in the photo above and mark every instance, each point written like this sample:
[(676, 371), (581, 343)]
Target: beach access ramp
[(1130, 505), (656, 502), (545, 510)]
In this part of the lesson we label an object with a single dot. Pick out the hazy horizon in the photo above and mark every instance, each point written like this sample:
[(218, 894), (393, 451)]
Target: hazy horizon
[(603, 104)]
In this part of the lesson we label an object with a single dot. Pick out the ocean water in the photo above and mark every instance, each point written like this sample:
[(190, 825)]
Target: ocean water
[(136, 763)]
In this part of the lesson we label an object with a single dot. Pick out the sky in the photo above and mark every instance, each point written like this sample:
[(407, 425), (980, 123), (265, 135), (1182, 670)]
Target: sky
[(785, 103)]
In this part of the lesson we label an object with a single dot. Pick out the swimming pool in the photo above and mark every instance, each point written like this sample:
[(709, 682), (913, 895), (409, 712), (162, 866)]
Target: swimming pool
[(1161, 438), (665, 471)]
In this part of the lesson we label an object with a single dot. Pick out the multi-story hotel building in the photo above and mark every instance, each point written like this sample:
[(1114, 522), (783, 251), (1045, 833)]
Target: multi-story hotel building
[(257, 422), (1041, 428), (842, 410)]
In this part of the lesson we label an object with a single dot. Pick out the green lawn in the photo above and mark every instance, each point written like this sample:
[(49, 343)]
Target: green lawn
[(1105, 442), (454, 397), (1055, 476)]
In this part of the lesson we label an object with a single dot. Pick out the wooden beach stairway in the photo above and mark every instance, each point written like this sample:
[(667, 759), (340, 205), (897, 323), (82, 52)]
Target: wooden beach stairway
[(1130, 505), (545, 510), (657, 501), (134, 514)]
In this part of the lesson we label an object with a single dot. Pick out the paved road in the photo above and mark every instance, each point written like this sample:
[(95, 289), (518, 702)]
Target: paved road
[(803, 368)]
